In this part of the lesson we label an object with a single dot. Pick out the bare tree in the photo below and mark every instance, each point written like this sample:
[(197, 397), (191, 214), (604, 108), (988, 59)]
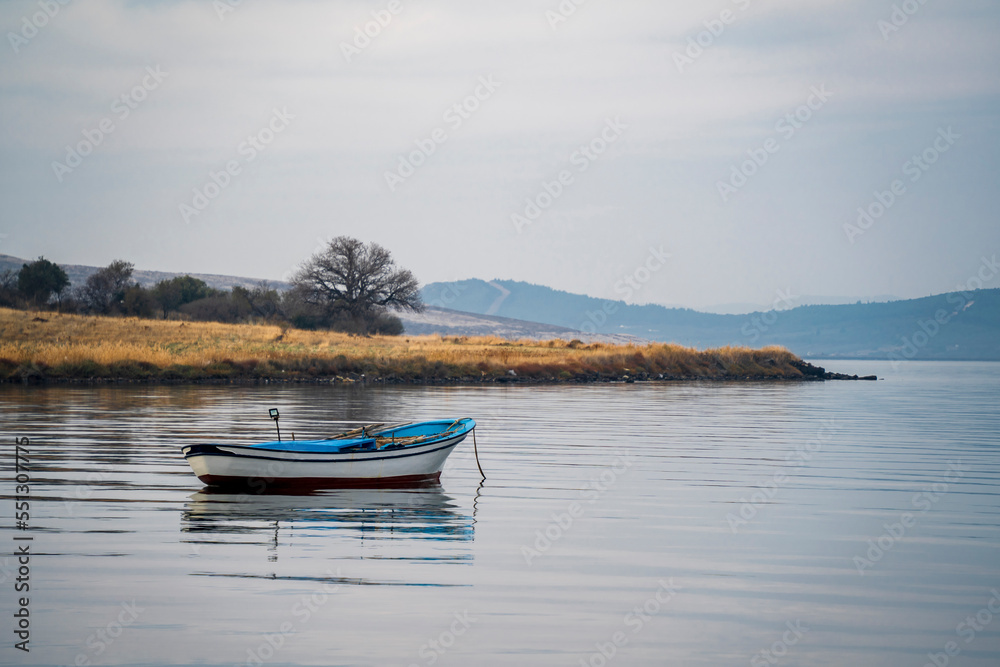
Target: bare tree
[(356, 279)]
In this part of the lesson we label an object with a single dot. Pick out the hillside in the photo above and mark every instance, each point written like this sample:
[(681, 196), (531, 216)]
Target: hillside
[(78, 274), (970, 328), (446, 322)]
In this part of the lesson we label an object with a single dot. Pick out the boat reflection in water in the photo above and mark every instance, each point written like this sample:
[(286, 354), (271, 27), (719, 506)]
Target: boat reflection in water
[(421, 523)]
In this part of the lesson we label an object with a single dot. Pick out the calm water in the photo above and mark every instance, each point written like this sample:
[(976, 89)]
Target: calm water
[(828, 523)]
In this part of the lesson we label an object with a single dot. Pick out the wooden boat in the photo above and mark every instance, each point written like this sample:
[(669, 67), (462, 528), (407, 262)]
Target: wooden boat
[(372, 455)]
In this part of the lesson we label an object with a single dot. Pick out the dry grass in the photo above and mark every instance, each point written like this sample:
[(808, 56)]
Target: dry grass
[(49, 345)]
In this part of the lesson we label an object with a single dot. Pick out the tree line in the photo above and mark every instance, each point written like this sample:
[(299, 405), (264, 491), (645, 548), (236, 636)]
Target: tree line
[(347, 286)]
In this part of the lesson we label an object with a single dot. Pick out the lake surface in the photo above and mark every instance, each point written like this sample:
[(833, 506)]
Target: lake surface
[(834, 523)]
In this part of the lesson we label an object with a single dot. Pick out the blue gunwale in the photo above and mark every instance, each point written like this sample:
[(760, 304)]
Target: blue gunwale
[(427, 428), (202, 450)]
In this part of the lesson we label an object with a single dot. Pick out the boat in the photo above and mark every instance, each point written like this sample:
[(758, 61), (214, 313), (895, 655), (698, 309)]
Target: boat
[(372, 455)]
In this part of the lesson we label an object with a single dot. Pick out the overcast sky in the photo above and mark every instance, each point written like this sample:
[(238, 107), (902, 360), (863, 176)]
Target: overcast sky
[(715, 152)]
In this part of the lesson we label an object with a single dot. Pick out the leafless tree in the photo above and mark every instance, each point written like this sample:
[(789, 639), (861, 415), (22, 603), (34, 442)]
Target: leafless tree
[(356, 278)]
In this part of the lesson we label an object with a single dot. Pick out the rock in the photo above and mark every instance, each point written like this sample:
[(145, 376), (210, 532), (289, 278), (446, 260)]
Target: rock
[(821, 373), (809, 370)]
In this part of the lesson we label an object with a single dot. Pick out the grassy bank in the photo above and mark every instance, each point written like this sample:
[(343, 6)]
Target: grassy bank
[(53, 347)]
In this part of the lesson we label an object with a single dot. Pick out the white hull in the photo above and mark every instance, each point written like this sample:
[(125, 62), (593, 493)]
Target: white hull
[(252, 467)]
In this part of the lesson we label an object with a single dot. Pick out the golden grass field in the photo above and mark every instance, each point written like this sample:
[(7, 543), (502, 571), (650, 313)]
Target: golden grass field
[(47, 345)]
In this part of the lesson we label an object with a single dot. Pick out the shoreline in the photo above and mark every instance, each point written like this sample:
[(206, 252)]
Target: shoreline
[(810, 374), (52, 348)]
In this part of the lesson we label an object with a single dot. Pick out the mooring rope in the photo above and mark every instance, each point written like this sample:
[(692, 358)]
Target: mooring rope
[(475, 448)]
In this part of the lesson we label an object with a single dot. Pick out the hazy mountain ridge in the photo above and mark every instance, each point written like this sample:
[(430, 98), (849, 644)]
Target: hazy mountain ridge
[(956, 325), (967, 324), (448, 322), (799, 300), (78, 274)]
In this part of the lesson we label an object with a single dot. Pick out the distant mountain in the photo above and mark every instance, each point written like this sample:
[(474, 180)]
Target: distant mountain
[(456, 323), (967, 325), (800, 300), (79, 273), (953, 326)]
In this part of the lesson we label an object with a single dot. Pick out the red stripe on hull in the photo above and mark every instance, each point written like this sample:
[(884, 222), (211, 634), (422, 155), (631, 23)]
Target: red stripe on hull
[(261, 485)]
